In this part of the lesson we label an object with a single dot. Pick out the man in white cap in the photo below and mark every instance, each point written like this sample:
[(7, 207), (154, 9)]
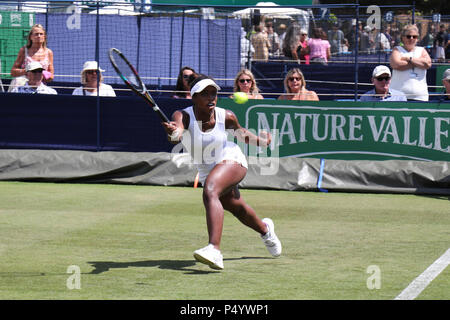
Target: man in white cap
[(91, 80), (34, 84), (381, 79), (446, 82)]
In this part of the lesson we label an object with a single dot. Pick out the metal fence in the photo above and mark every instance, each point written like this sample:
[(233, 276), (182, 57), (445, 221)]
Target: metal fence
[(218, 40)]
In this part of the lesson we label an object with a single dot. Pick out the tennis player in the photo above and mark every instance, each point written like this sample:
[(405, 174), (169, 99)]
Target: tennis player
[(221, 167)]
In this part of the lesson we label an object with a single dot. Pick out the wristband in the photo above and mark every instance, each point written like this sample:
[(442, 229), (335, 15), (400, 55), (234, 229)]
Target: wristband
[(175, 136)]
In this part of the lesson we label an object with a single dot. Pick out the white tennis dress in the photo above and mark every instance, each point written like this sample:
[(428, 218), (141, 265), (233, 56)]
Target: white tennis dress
[(211, 147)]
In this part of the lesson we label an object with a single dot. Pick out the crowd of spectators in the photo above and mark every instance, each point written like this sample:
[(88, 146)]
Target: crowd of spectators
[(410, 57)]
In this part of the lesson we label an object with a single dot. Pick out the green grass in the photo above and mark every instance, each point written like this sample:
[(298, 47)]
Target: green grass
[(136, 242)]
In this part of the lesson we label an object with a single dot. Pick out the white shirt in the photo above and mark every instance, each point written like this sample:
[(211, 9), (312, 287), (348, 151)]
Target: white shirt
[(211, 147), (412, 82), (105, 91), (41, 89)]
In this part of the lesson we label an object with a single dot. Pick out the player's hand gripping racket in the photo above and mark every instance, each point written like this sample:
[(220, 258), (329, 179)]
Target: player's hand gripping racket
[(129, 75)]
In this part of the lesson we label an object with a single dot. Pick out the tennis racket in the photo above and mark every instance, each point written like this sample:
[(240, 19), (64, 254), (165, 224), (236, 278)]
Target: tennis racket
[(129, 75)]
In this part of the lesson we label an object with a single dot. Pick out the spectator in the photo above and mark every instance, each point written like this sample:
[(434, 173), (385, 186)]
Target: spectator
[(247, 49), (302, 49), (295, 87), (274, 50), (182, 87), (291, 41), (410, 63), (34, 50), (282, 34), (381, 41), (447, 46), (365, 40), (428, 40), (261, 43), (381, 79), (439, 44), (89, 81), (445, 97), (336, 39), (245, 82), (318, 48), (33, 72)]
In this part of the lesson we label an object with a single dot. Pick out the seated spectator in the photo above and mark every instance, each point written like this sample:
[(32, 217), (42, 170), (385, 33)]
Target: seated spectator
[(89, 82), (381, 79), (182, 87), (295, 86), (445, 97), (245, 82), (33, 72)]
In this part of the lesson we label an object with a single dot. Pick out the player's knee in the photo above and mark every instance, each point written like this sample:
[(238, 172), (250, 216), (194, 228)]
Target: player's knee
[(210, 191)]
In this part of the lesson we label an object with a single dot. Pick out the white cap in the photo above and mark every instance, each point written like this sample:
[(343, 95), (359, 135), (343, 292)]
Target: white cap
[(34, 65), (202, 84), (446, 75), (379, 70), (91, 65)]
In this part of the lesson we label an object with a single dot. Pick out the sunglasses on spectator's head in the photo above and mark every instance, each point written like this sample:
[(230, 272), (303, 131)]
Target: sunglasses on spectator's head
[(408, 36), (386, 78), (245, 80)]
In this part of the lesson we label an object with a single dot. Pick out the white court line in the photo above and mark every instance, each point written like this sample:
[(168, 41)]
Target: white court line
[(421, 282)]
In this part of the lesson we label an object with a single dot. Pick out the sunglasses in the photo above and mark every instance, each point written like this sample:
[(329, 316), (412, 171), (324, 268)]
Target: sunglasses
[(294, 78), (91, 71), (383, 78), (245, 80), (186, 76), (36, 71), (408, 36)]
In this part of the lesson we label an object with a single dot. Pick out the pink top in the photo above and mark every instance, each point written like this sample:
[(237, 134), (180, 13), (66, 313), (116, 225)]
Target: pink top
[(318, 48), (305, 57), (45, 62)]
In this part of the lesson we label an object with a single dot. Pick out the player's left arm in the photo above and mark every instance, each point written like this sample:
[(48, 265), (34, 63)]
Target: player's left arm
[(244, 135)]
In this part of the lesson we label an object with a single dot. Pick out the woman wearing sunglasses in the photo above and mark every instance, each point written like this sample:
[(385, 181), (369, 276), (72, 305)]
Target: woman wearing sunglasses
[(182, 86), (245, 82), (410, 63), (295, 87)]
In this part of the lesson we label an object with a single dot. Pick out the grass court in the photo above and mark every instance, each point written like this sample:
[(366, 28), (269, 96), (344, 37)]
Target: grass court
[(136, 242)]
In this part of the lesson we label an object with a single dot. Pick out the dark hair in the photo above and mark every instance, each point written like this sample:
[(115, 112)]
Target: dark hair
[(317, 33), (180, 90)]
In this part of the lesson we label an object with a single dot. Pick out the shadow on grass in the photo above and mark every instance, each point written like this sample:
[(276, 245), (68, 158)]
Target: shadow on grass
[(177, 265)]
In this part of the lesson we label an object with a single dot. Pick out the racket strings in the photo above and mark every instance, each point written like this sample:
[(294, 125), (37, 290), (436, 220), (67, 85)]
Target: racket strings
[(126, 71)]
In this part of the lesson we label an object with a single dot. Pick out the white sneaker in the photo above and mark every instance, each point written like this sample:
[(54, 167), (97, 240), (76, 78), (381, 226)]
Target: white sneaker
[(270, 239), (210, 256)]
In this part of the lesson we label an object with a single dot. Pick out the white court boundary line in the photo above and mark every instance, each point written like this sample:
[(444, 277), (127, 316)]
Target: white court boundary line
[(421, 282)]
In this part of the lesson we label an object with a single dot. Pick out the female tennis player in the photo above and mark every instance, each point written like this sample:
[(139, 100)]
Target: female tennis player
[(221, 167)]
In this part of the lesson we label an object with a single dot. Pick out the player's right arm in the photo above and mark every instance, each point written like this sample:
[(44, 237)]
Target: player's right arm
[(175, 128)]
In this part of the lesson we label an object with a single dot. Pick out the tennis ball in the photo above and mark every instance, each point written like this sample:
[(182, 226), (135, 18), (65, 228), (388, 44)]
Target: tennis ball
[(240, 97)]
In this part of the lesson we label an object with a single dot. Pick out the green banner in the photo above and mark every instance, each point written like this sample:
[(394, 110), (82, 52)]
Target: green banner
[(350, 130)]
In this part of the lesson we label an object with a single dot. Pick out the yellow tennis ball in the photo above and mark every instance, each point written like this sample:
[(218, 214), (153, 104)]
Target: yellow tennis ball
[(240, 97)]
